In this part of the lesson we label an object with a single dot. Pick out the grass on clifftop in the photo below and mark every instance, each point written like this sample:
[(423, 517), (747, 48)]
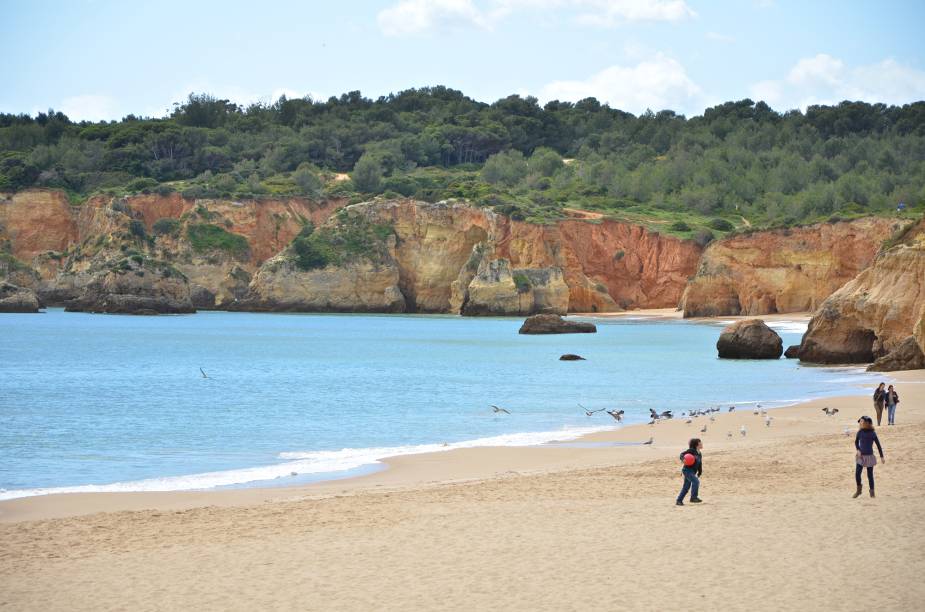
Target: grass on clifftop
[(205, 237)]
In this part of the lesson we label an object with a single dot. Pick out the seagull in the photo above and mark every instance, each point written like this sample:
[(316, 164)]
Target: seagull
[(767, 422), (497, 410), (847, 431), (652, 422), (649, 441), (728, 434), (830, 411), (666, 414), (703, 429), (732, 408), (712, 418), (756, 412), (590, 412), (204, 375), (617, 416), (689, 420), (743, 431)]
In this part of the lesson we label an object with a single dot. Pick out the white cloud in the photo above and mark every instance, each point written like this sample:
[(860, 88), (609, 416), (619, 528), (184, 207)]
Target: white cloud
[(418, 16), (657, 83), (723, 38), (90, 107), (823, 79)]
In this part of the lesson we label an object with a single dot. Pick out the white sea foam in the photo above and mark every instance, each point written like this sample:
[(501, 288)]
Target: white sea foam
[(308, 462), (796, 327)]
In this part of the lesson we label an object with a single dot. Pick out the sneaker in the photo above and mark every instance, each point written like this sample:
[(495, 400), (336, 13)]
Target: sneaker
[(679, 503), (696, 500)]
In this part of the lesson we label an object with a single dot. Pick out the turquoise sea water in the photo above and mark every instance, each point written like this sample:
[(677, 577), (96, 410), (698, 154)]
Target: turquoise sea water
[(103, 402)]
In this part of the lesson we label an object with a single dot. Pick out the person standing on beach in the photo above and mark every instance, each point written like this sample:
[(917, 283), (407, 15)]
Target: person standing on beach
[(864, 445), (691, 471), (892, 398), (879, 401)]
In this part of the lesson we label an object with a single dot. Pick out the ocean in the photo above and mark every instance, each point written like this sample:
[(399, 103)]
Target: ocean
[(118, 403)]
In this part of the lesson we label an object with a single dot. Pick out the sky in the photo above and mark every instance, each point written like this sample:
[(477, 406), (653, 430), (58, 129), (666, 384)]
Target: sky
[(100, 59)]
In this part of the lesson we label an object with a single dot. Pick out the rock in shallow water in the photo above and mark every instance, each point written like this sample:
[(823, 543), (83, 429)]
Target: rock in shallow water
[(792, 352), (571, 357), (554, 324), (17, 299), (749, 339)]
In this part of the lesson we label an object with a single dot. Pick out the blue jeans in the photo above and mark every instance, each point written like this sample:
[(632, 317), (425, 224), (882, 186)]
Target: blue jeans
[(691, 483), (890, 413)]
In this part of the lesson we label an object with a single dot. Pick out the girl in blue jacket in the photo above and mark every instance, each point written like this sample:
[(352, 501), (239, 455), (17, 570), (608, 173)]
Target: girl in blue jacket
[(864, 458)]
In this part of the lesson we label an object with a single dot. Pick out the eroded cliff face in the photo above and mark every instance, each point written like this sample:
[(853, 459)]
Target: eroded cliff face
[(65, 247), (873, 313), (781, 271)]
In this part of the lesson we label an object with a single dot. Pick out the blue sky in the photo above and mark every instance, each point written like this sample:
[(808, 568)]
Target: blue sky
[(97, 59)]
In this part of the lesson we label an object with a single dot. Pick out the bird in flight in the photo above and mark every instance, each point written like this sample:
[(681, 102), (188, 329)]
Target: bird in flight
[(497, 410), (590, 412), (204, 375)]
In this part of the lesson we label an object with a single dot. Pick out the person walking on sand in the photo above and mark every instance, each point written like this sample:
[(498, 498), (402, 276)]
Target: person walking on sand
[(892, 398), (864, 442), (692, 461), (879, 401)]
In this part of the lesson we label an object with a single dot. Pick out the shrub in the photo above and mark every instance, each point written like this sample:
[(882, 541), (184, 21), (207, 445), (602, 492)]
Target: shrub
[(141, 184), (307, 180), (721, 225), (206, 237), (522, 283), (703, 237), (137, 228), (367, 174), (680, 226), (166, 227)]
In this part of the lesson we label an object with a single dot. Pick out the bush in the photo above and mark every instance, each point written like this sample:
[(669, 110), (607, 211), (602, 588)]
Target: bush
[(307, 180), (721, 225), (137, 228), (506, 168), (206, 237), (680, 226), (166, 227), (522, 282), (703, 237)]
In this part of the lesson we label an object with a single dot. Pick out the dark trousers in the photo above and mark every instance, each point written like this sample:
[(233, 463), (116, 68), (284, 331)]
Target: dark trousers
[(691, 483), (870, 476), (878, 406)]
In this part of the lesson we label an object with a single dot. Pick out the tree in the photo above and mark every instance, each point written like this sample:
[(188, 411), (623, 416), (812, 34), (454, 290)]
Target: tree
[(307, 180), (506, 168), (367, 174)]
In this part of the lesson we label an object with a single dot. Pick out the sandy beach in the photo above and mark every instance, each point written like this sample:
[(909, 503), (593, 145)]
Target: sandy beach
[(586, 525)]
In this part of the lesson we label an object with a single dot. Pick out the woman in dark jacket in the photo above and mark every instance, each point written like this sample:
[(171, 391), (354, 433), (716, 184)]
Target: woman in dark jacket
[(879, 401), (864, 444), (892, 398), (692, 473)]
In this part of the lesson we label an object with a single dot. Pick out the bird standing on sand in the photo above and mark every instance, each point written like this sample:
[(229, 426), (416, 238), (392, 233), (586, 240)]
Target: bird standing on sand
[(204, 375), (712, 418), (703, 429), (767, 422), (497, 410), (689, 420), (756, 412), (728, 434), (743, 431), (649, 442), (732, 408)]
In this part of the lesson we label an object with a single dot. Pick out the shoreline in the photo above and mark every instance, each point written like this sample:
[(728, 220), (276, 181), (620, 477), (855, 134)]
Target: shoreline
[(611, 446)]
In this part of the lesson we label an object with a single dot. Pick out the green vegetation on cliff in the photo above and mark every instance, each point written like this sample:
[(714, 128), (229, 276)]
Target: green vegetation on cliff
[(205, 237), (350, 238), (738, 161)]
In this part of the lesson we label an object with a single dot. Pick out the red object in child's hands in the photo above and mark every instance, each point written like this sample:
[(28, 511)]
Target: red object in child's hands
[(689, 460)]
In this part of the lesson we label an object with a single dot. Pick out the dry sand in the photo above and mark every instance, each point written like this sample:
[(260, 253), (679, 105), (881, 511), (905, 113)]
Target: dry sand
[(569, 527)]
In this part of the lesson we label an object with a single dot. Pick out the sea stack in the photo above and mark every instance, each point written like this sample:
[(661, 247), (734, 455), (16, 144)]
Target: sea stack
[(749, 339)]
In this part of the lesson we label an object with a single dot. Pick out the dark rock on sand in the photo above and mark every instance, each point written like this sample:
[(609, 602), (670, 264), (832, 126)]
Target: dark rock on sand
[(571, 357), (907, 356), (792, 352), (14, 298), (749, 339), (554, 324)]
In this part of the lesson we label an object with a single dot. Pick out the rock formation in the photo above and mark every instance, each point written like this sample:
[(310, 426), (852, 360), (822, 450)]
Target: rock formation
[(907, 356), (554, 324), (876, 311), (749, 339), (779, 271), (792, 352), (571, 357), (17, 299), (132, 287)]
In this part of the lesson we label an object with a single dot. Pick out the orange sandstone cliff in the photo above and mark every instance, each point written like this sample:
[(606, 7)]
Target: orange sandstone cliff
[(779, 271)]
